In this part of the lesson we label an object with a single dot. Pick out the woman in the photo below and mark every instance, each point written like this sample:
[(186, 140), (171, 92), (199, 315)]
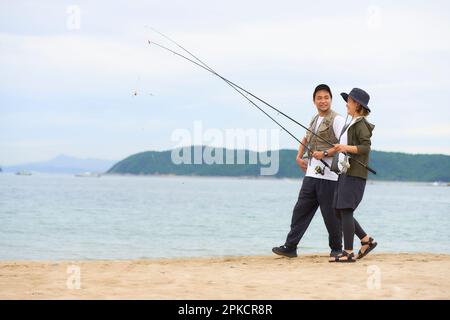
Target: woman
[(351, 184)]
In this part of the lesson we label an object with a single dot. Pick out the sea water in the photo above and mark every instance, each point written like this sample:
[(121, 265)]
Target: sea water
[(63, 217)]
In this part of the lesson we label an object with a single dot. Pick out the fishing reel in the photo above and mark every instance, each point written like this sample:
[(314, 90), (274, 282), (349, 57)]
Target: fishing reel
[(340, 163), (344, 164), (319, 170)]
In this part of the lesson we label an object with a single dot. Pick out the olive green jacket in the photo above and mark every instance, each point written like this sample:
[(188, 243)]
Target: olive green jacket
[(359, 135)]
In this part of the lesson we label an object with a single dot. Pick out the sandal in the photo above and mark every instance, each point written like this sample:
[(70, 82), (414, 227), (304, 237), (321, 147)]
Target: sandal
[(350, 257), (371, 243)]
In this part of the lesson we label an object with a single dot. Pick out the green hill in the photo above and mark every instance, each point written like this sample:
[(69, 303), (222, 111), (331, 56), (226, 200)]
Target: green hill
[(389, 165)]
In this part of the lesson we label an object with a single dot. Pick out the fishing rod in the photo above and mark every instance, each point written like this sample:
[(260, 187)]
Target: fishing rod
[(205, 66), (235, 86), (242, 94)]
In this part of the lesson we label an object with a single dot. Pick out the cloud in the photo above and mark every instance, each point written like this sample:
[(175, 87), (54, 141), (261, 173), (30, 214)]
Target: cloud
[(337, 41), (54, 80)]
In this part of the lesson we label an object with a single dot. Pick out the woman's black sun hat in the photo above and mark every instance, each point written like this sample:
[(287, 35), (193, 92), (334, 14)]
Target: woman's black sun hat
[(359, 95)]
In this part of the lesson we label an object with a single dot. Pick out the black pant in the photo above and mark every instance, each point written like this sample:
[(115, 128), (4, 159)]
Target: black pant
[(314, 193), (350, 227)]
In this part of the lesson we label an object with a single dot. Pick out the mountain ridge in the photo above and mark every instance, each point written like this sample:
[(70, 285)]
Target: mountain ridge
[(392, 166), (64, 164)]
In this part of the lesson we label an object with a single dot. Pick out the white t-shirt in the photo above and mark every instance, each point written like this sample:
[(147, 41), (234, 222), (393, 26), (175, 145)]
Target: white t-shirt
[(338, 125)]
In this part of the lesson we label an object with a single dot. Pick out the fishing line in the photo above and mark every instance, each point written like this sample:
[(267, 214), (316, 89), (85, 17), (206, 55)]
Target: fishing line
[(236, 87)]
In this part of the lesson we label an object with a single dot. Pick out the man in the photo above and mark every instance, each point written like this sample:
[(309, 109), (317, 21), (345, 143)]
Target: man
[(319, 183)]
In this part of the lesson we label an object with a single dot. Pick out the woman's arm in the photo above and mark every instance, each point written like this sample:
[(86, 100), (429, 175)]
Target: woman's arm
[(364, 135), (345, 148)]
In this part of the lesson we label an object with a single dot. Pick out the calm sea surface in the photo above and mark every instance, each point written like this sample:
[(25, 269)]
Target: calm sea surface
[(62, 217)]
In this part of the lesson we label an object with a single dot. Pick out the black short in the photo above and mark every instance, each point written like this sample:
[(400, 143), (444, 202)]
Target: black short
[(349, 192)]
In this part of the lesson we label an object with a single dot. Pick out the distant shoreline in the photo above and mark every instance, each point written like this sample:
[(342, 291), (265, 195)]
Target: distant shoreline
[(266, 178), (255, 177)]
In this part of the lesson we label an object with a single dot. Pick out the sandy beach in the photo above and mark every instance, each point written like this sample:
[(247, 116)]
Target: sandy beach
[(378, 276)]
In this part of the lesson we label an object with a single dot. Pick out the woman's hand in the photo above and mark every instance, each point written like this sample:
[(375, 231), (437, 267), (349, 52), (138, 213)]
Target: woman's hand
[(341, 148), (345, 148)]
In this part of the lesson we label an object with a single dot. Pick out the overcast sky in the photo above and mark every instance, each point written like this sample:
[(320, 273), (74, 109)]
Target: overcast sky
[(67, 81)]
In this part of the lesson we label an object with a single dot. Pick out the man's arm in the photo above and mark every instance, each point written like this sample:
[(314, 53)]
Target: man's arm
[(319, 155), (299, 159), (301, 148)]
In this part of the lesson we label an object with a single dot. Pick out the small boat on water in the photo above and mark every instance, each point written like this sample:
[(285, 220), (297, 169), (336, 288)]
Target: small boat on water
[(88, 175), (440, 184), (23, 173)]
